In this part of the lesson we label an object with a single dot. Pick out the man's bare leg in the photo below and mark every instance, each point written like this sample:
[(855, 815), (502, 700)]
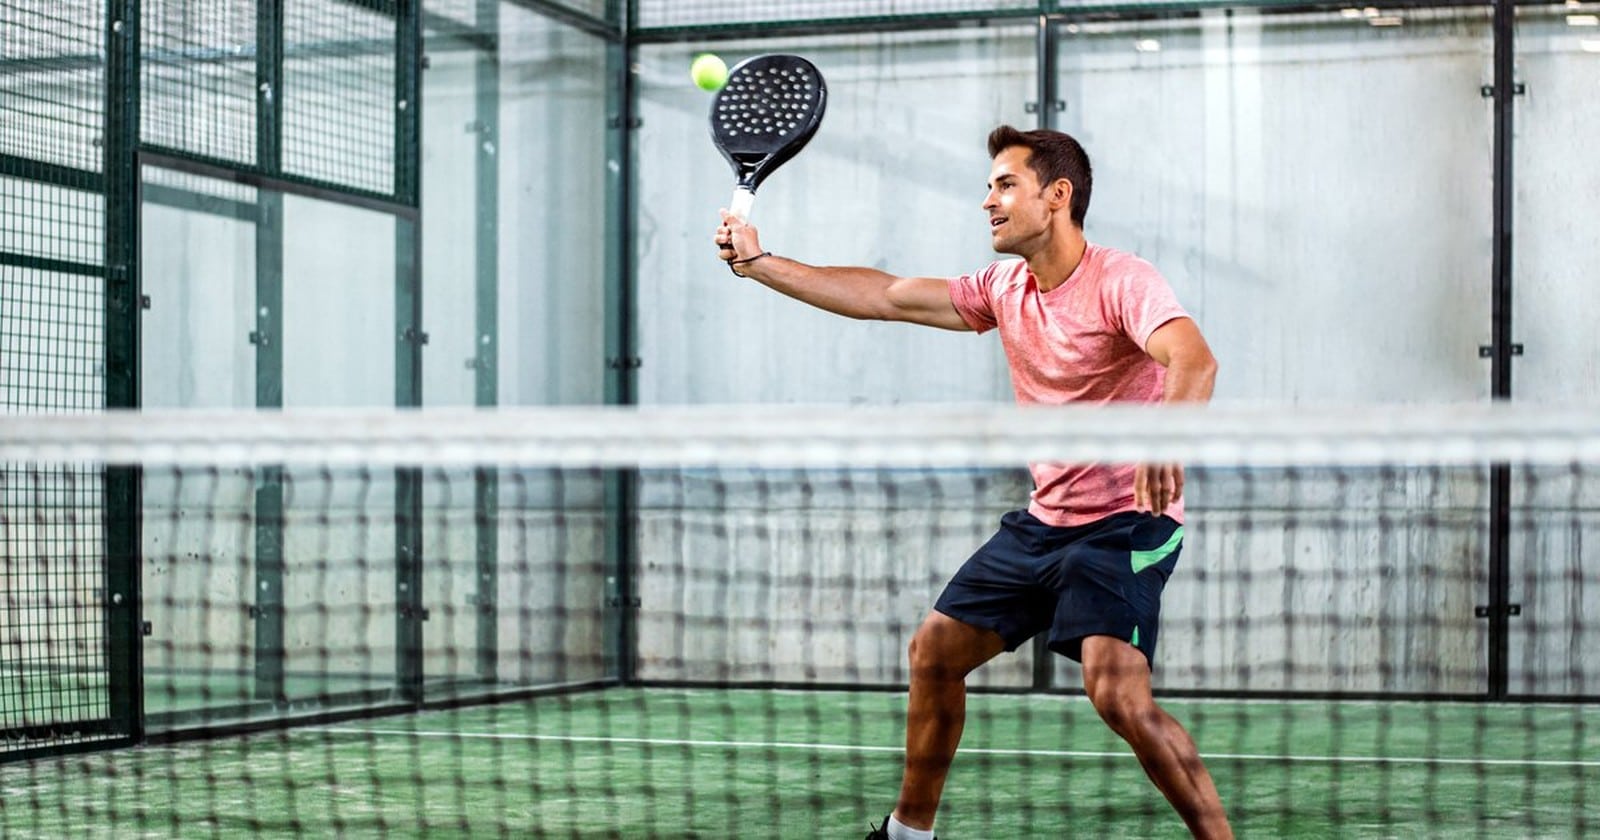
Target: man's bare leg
[(1117, 678), (943, 652)]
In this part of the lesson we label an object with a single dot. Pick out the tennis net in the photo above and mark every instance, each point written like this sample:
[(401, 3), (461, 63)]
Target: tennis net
[(674, 622)]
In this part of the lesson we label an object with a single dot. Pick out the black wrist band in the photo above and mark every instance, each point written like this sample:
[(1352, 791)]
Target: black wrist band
[(732, 263)]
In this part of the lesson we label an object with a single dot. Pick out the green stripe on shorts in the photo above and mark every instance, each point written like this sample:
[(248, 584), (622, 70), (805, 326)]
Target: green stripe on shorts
[(1145, 559)]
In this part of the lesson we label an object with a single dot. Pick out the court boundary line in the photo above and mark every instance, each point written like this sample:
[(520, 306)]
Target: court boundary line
[(868, 748)]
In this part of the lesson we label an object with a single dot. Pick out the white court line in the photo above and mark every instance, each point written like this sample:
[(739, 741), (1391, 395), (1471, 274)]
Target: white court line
[(783, 745)]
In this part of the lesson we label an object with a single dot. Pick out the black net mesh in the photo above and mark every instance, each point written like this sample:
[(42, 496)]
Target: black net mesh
[(198, 77), (339, 98), (1318, 638), (52, 84), (53, 666)]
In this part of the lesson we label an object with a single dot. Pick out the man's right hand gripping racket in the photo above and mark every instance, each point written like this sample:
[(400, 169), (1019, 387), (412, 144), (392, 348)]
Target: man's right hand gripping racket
[(765, 114)]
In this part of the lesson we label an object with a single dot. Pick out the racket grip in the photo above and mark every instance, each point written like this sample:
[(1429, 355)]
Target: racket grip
[(743, 200)]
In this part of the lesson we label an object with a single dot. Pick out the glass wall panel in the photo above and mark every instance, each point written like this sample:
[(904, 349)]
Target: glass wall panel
[(1316, 188), (198, 270), (893, 179), (339, 344), (552, 211), (1313, 186), (514, 180), (1555, 297)]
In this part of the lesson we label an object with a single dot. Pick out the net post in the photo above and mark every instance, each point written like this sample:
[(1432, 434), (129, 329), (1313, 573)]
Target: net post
[(1499, 581), (410, 613), (268, 611)]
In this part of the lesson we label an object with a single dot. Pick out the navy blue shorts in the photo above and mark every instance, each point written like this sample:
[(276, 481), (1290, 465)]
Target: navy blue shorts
[(1100, 579)]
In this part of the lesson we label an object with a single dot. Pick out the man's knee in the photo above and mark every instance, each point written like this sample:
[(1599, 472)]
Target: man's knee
[(1117, 679), (944, 649), (1124, 708)]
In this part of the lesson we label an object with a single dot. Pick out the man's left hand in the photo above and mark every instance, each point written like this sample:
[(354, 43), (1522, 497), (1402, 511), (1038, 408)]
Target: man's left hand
[(1156, 487)]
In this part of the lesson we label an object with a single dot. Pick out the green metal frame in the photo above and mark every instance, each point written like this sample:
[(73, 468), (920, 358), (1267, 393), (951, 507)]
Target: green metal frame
[(124, 608), (1051, 10), (486, 360), (409, 339), (621, 350), (268, 611)]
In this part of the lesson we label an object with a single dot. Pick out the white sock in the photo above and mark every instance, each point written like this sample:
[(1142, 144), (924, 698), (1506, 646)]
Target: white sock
[(900, 831)]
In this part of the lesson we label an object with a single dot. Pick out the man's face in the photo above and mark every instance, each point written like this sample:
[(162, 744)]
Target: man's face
[(1019, 211)]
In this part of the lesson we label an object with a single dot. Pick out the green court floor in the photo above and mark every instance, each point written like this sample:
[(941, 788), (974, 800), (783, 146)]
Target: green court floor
[(704, 763)]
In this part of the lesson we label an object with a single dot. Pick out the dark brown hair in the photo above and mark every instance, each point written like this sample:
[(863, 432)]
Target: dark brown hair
[(1052, 155)]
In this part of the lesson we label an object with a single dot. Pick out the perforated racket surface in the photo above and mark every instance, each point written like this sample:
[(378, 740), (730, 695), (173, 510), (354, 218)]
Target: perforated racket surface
[(766, 113)]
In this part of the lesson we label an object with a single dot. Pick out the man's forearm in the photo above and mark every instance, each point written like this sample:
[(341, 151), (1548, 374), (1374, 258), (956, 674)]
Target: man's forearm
[(851, 292)]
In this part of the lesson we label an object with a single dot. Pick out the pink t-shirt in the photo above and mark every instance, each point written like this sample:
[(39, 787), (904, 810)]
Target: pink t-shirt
[(1082, 341)]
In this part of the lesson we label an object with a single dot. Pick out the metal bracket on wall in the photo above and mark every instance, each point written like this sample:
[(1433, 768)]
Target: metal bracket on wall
[(616, 122), (415, 336), (1485, 612), (415, 613), (1033, 107), (1486, 351), (260, 339), (1517, 89), (630, 363), (633, 602)]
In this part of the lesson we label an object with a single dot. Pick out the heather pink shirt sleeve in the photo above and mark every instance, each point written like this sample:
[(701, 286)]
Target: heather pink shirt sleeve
[(973, 296), (1140, 301)]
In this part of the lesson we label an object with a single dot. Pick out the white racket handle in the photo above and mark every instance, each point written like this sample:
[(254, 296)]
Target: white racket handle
[(743, 200)]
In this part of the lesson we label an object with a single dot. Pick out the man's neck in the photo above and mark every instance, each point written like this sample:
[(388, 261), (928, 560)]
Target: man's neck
[(1058, 260)]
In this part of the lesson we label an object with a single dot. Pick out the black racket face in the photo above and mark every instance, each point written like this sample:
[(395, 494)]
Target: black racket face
[(766, 113)]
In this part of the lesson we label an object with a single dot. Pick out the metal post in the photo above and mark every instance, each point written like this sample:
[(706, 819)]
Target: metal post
[(123, 608), (409, 341), (267, 337), (486, 479), (1047, 38), (1501, 346), (622, 362)]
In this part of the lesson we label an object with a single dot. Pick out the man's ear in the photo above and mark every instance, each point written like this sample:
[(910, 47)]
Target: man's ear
[(1060, 193)]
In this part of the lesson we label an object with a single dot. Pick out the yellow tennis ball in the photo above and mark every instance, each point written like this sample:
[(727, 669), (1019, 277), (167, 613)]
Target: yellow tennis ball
[(709, 72)]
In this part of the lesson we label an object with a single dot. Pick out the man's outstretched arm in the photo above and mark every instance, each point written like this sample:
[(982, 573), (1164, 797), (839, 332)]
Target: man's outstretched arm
[(865, 293)]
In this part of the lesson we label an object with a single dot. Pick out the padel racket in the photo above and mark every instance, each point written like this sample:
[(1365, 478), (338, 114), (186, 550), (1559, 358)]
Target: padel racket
[(766, 113)]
